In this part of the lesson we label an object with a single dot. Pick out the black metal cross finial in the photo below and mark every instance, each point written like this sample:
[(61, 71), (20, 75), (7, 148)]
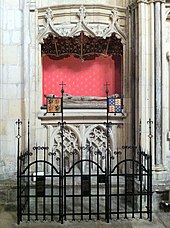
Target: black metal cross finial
[(18, 122), (62, 87), (107, 90), (150, 122)]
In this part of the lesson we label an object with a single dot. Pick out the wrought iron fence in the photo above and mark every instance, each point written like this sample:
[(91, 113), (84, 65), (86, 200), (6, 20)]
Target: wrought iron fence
[(50, 189)]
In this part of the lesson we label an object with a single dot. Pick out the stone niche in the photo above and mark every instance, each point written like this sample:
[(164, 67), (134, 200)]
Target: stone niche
[(70, 21), (65, 22)]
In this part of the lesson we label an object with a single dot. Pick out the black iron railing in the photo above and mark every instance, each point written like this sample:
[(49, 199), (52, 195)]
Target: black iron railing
[(47, 189)]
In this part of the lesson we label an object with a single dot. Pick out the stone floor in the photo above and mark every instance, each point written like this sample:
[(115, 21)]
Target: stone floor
[(160, 220)]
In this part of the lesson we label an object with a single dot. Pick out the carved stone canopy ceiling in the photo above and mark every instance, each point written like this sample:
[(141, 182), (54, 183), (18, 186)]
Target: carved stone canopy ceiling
[(81, 46)]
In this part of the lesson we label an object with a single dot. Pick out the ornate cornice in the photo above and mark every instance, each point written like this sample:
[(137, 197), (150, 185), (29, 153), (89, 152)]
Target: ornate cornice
[(69, 29)]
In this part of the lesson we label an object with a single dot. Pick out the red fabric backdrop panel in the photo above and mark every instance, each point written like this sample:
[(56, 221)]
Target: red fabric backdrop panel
[(81, 78)]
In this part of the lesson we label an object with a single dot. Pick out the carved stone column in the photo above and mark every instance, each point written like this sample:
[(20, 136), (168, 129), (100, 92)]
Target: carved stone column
[(158, 82), (168, 60), (144, 70)]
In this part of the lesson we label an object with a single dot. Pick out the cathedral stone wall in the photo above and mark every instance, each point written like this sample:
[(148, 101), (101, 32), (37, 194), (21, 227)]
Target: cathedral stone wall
[(11, 82), (20, 79), (20, 76)]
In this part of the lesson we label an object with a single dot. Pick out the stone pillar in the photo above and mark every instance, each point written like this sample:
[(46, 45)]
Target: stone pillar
[(168, 72), (1, 73), (134, 92), (158, 82), (144, 69)]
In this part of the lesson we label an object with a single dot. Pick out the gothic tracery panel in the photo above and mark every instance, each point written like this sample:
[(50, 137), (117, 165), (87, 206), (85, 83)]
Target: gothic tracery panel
[(97, 141), (70, 146)]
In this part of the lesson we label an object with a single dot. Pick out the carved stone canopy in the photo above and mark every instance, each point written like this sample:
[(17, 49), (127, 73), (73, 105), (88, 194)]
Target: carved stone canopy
[(82, 47), (93, 29), (82, 39)]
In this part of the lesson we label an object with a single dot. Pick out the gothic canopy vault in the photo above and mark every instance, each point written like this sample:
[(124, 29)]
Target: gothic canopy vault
[(82, 39)]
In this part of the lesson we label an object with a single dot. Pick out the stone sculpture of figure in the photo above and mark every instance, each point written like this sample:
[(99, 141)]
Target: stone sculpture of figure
[(72, 101), (68, 98)]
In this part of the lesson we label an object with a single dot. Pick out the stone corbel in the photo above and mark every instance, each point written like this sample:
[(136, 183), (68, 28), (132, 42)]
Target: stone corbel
[(49, 26)]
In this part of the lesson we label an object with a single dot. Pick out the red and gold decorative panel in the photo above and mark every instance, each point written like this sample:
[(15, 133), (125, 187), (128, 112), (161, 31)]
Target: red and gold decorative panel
[(81, 78)]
